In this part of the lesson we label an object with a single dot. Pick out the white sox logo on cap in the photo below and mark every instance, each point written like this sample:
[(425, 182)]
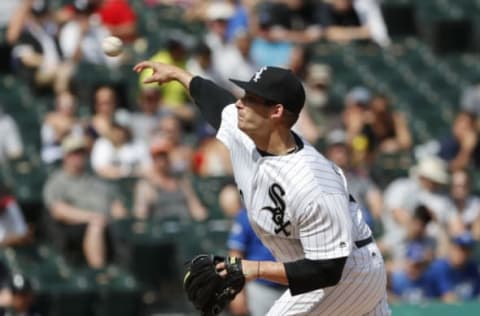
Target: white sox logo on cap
[(258, 74)]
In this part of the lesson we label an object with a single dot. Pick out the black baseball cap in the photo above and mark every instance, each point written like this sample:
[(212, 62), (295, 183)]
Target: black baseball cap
[(276, 84)]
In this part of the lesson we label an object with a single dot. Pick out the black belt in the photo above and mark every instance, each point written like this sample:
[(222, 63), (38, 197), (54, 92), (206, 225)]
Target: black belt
[(363, 242)]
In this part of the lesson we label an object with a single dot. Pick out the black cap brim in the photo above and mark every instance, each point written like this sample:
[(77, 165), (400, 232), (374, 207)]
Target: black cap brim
[(249, 87)]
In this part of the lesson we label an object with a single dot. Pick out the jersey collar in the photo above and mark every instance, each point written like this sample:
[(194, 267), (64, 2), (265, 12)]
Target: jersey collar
[(298, 142)]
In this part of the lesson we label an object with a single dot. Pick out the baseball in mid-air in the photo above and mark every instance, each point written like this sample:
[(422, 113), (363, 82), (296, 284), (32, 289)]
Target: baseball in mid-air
[(112, 46)]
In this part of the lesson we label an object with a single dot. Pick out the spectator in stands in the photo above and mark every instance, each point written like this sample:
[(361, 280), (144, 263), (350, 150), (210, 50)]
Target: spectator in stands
[(120, 19), (143, 122), (211, 157), (160, 194), (318, 101), (294, 21), (353, 120), (173, 95), (236, 62), (181, 153), (411, 284), (58, 124), (417, 231), (201, 64), (456, 277), (349, 20), (362, 188), (39, 58), (387, 131), (81, 205), (81, 37), (265, 50), (11, 145), (105, 106), (257, 297), (466, 204), (119, 155), (403, 195), (217, 15), (462, 146), (13, 228)]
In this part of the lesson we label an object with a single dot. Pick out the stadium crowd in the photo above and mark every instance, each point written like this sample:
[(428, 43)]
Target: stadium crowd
[(92, 137)]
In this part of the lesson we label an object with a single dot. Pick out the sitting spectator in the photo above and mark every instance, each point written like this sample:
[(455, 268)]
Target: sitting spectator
[(119, 17), (181, 154), (353, 121), (105, 105), (119, 155), (265, 50), (160, 194), (318, 79), (81, 37), (81, 205), (362, 188), (417, 231), (257, 296), (11, 145), (350, 20), (456, 277), (462, 146), (411, 284), (466, 204), (201, 64), (57, 125), (38, 55), (143, 122), (387, 131), (236, 62), (403, 195), (13, 228), (294, 21)]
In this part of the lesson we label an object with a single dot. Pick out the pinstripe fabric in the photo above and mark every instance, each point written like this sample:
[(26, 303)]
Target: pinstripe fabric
[(298, 205)]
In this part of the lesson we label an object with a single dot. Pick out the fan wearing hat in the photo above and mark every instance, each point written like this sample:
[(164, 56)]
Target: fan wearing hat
[(81, 205), (297, 201), (456, 277), (425, 186), (411, 282)]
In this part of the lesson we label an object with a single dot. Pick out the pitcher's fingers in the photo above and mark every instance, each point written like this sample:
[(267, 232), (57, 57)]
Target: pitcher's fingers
[(142, 65), (152, 79)]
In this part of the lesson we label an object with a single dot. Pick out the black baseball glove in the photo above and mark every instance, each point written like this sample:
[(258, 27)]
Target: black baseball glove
[(206, 289)]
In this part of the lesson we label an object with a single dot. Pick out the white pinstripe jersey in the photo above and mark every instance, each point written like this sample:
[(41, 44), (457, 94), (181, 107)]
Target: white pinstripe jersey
[(298, 204)]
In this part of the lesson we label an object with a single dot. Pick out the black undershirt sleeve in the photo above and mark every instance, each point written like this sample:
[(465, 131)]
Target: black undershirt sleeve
[(307, 275), (210, 99)]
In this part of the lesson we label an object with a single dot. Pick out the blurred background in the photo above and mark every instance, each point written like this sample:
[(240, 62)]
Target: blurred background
[(108, 185)]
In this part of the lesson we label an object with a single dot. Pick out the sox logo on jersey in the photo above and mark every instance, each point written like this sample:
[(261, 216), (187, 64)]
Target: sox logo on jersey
[(276, 192)]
